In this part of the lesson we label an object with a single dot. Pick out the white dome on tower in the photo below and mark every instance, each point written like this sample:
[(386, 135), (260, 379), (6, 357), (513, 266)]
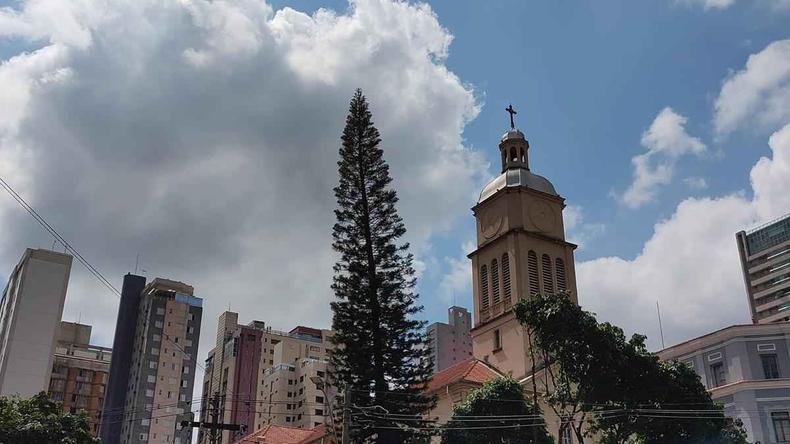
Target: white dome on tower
[(517, 178)]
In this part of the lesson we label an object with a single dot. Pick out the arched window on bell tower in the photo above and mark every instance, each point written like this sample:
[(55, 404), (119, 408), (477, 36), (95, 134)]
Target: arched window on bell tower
[(562, 283), (532, 266), (548, 281), (506, 287), (484, 288), (495, 282)]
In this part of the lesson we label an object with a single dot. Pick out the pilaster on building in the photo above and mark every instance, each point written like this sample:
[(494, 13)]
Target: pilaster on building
[(262, 377)]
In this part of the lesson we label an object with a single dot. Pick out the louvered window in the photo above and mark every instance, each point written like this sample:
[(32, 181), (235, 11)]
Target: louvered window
[(532, 265), (562, 284), (483, 288), (495, 281), (506, 277), (548, 282)]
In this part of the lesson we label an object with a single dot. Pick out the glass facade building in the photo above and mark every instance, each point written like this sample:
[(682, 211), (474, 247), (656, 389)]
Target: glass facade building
[(765, 260)]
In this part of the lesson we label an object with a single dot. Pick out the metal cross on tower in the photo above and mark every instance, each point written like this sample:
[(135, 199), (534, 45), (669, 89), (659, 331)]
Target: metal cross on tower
[(512, 112)]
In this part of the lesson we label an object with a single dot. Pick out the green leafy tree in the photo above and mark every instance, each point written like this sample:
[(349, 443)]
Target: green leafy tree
[(42, 421), (603, 384), (380, 355), (514, 419)]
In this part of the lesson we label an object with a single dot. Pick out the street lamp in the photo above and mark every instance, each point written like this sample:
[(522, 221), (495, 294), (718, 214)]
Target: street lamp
[(321, 385)]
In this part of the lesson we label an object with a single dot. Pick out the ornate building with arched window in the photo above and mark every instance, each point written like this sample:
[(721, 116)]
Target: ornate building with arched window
[(521, 250)]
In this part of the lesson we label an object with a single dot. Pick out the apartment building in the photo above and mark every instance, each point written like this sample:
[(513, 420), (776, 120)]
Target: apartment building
[(30, 313), (236, 370), (747, 369), (451, 343), (162, 366), (765, 260), (290, 397), (79, 372)]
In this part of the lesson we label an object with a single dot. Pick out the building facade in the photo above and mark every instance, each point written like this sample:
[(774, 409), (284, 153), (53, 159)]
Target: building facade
[(451, 343), (243, 373), (765, 260), (521, 250), (162, 367), (30, 313), (79, 372), (747, 369), (122, 347)]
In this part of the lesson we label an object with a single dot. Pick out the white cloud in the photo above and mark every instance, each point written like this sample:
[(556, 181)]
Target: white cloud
[(204, 136), (696, 183), (777, 5), (691, 261), (758, 95), (578, 230), (457, 281), (666, 140)]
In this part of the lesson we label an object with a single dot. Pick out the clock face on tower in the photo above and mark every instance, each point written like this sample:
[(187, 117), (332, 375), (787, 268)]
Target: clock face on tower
[(542, 216), (490, 223)]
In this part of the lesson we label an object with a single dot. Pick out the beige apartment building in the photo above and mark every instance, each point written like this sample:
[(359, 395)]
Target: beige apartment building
[(79, 372), (30, 311), (249, 371), (450, 343), (162, 371)]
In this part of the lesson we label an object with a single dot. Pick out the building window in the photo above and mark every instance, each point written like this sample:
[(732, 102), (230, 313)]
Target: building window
[(717, 373), (562, 283), (319, 412), (497, 340), (495, 281), (548, 281), (781, 422), (770, 366), (532, 266), (565, 434), (483, 288), (506, 277)]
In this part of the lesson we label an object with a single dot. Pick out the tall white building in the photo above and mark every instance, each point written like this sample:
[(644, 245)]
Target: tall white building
[(30, 313), (451, 343)]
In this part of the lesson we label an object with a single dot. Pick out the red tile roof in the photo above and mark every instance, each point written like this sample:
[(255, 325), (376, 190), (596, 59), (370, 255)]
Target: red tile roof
[(472, 370), (274, 434)]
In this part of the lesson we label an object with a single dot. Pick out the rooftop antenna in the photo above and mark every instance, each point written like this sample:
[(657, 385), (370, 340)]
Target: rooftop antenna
[(54, 241), (660, 327), (136, 262), (79, 318)]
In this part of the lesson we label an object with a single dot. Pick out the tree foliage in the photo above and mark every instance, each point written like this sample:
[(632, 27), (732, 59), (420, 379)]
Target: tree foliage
[(40, 420), (606, 385), (380, 353), (515, 420)]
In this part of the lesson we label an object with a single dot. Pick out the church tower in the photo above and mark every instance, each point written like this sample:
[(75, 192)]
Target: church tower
[(521, 250)]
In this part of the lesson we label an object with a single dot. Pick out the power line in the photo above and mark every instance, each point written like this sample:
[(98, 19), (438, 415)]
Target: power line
[(93, 270)]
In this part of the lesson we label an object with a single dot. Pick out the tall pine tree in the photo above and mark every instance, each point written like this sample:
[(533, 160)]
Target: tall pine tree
[(380, 353)]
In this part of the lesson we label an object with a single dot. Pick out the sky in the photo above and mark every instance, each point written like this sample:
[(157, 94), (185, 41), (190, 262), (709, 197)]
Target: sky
[(203, 135)]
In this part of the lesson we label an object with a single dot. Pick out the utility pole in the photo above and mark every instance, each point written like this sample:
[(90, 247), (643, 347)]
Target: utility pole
[(215, 426), (215, 417)]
